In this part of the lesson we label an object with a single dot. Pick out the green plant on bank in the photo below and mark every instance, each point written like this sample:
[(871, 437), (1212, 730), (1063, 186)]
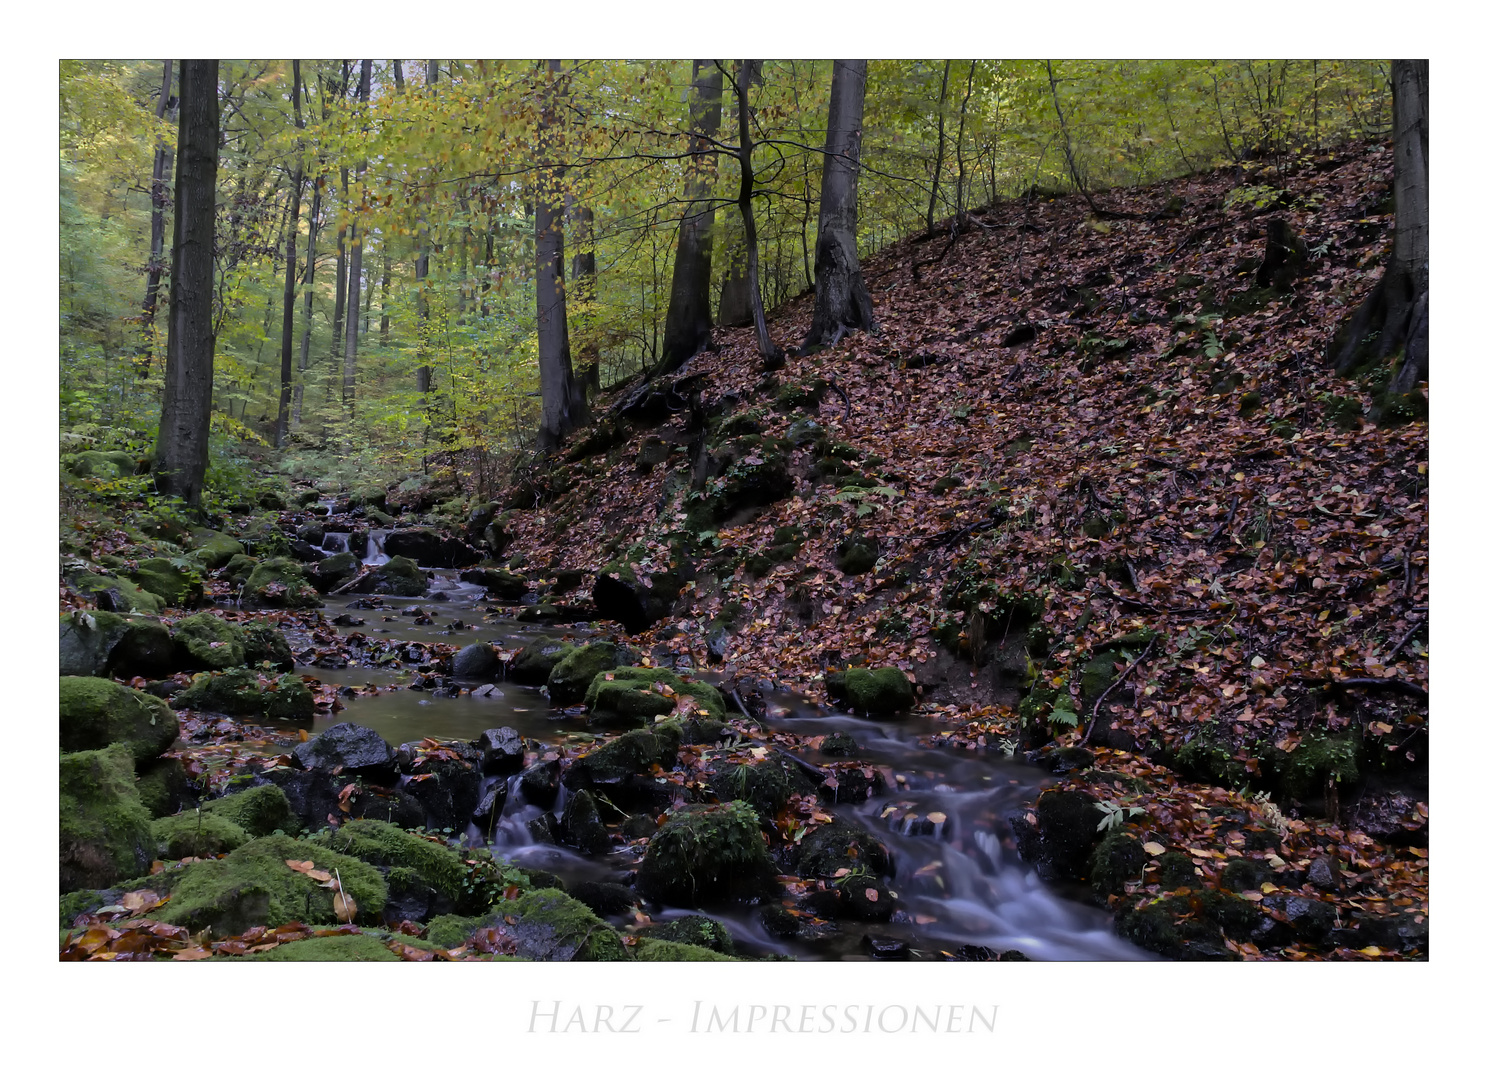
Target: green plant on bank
[(1115, 814)]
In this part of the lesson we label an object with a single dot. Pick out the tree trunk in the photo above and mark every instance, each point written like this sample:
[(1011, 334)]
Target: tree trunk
[(842, 300), (387, 282), (688, 311), (309, 282), (159, 200), (945, 81), (563, 405), (1394, 316), (291, 234), (338, 321), (425, 373), (773, 357), (585, 282), (354, 276), (186, 411)]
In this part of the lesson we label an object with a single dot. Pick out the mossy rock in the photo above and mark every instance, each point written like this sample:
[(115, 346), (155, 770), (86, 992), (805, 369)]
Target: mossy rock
[(259, 811), (765, 785), (98, 712), (569, 679), (178, 586), (707, 853), (399, 576), (857, 557), (104, 829), (872, 691), (447, 931), (551, 925), (338, 948), (1305, 771), (195, 834), (132, 598), (280, 583), (103, 643), (654, 951), (102, 464), (535, 663), (334, 570), (841, 845), (238, 569), (1118, 858), (264, 644), (214, 550), (625, 696), (288, 698), (629, 755), (208, 643), (697, 931), (1204, 759), (164, 786), (253, 886), (387, 846), (235, 691)]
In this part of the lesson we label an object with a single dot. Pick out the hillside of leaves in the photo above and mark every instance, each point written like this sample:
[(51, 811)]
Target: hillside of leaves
[(1094, 488)]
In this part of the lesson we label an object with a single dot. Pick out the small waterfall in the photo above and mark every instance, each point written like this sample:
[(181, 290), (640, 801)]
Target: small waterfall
[(375, 555), (335, 543), (330, 505)]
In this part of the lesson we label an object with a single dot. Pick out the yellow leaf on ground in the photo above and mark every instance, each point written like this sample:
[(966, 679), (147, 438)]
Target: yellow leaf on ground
[(1152, 847)]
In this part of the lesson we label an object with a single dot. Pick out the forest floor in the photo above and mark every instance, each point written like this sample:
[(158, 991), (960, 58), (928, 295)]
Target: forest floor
[(1092, 487)]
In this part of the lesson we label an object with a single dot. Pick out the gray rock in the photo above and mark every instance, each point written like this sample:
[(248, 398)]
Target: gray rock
[(476, 661), (346, 745)]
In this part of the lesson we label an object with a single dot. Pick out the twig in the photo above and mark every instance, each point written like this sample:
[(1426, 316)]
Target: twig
[(1400, 685), (1090, 725), (1409, 633), (1219, 530)]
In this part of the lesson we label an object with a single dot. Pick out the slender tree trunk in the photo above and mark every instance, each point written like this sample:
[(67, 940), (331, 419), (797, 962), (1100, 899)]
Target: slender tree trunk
[(842, 300), (291, 234), (688, 318), (387, 283), (585, 283), (186, 411), (354, 276), (563, 406), (159, 200), (945, 81), (1394, 316), (338, 322), (960, 155), (734, 308), (774, 358), (308, 280), (425, 373)]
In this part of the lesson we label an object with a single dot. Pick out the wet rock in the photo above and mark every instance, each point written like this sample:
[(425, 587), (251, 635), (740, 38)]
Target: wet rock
[(488, 810), (349, 747), (637, 602), (346, 619), (539, 784), (206, 643), (582, 827), (628, 695), (841, 845), (429, 548), (1325, 873), (502, 751), (476, 661), (1310, 920), (104, 829), (398, 576), (839, 744), (570, 677), (697, 930), (886, 948), (448, 789), (280, 583), (94, 713), (607, 898), (866, 898), (499, 584), (1062, 838), (779, 922), (331, 572), (625, 762), (535, 662), (872, 691), (707, 853), (766, 784)]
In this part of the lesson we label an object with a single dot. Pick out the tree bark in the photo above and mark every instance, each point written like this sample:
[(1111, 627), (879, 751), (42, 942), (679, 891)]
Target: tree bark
[(159, 200), (338, 321), (309, 282), (945, 82), (354, 276), (773, 357), (425, 374), (291, 234), (585, 283), (1394, 317), (842, 300), (186, 410), (734, 307), (563, 406), (689, 309)]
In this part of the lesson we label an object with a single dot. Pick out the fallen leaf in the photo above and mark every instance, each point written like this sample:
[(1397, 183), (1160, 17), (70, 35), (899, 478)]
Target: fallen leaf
[(1152, 847)]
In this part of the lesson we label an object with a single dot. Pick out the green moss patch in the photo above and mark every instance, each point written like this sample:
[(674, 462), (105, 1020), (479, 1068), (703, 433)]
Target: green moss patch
[(95, 713), (104, 828), (707, 852), (627, 695), (872, 691)]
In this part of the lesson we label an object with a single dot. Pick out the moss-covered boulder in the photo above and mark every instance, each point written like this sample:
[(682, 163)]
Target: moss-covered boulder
[(333, 949), (547, 924), (207, 643), (626, 757), (288, 698), (765, 784), (164, 786), (571, 676), (98, 712), (177, 581), (502, 585), (255, 886), (839, 845), (195, 834), (105, 643), (536, 661), (236, 692), (697, 931), (102, 464), (872, 691), (1063, 839), (280, 583), (628, 696), (582, 826), (399, 576), (258, 811), (388, 847), (1118, 858), (706, 853), (214, 550), (118, 594), (265, 644), (667, 951), (104, 829), (237, 570), (334, 570), (1319, 759)]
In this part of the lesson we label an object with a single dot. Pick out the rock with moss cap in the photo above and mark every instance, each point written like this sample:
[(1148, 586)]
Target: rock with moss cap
[(104, 829), (118, 594), (839, 845), (237, 570), (195, 834), (388, 847), (214, 550), (399, 576), (207, 643), (571, 676), (254, 886), (536, 661), (628, 696), (98, 712), (872, 691), (105, 643), (177, 581), (697, 931), (546, 924), (765, 784), (102, 464), (280, 583), (704, 853), (627, 757), (265, 644), (671, 951), (258, 811)]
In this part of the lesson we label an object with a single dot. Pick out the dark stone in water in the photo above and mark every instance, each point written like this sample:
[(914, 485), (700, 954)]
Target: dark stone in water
[(488, 810), (440, 595), (544, 830), (353, 748), (886, 948), (501, 751), (778, 922), (540, 783), (475, 661), (605, 897), (583, 828), (345, 619), (365, 604)]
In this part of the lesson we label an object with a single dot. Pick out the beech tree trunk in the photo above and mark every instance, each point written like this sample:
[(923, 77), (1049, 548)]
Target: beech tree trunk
[(1394, 316), (338, 321), (309, 282), (585, 282), (186, 410), (159, 200), (563, 406), (842, 300), (774, 358), (425, 373), (688, 311), (354, 277), (291, 234)]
